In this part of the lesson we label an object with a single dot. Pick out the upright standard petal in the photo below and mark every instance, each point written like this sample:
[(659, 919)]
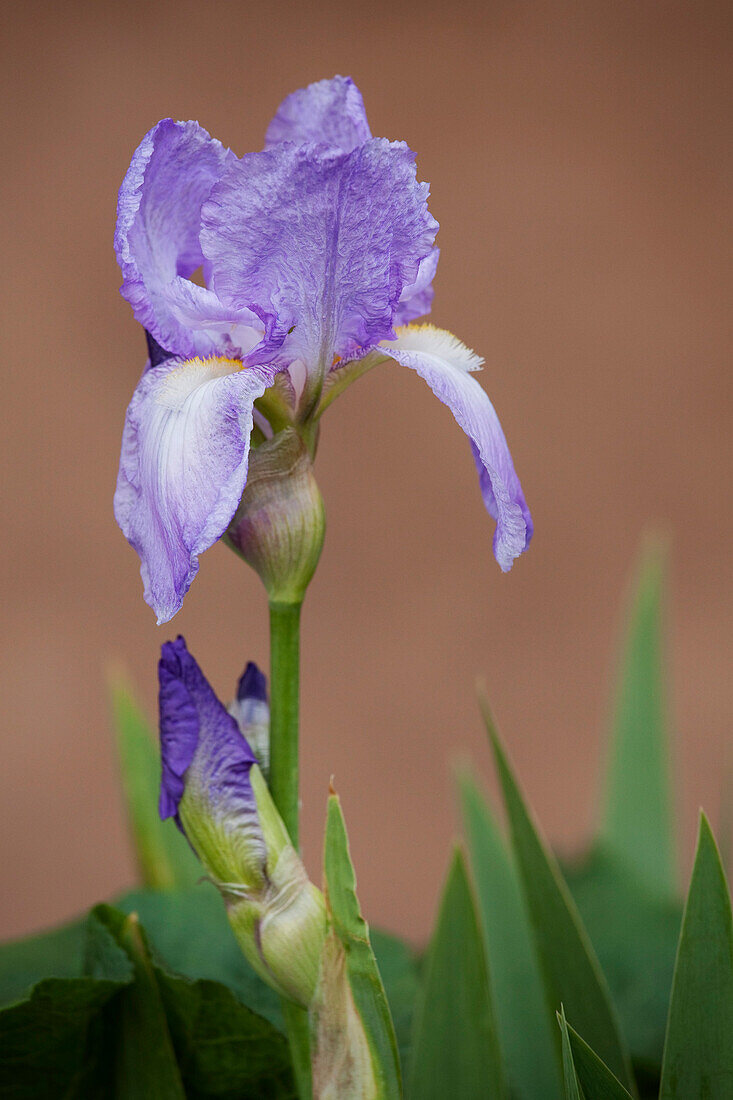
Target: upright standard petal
[(417, 298), (319, 243), (329, 112), (446, 365), (157, 242), (183, 467)]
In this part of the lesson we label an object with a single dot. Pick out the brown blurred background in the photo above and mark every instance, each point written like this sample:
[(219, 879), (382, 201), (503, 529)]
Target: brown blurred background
[(580, 162)]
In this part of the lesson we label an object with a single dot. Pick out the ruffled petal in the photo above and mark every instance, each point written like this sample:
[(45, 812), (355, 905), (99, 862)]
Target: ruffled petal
[(157, 243), (183, 467), (416, 299), (202, 747), (319, 243), (329, 112), (446, 365)]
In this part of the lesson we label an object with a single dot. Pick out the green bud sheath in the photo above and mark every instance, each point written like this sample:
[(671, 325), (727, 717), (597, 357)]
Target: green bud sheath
[(280, 523)]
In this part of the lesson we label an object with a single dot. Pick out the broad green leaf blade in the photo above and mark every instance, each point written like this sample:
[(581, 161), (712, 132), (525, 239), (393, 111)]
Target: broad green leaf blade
[(164, 858), (572, 975), (145, 1063), (521, 1011), (221, 1047), (53, 954), (595, 1078), (637, 819), (572, 1088), (363, 978), (698, 1052), (189, 934), (636, 951), (52, 1043), (455, 1051)]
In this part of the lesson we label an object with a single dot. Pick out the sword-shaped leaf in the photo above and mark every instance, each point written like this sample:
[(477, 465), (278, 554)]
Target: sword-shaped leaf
[(521, 1010), (571, 972), (455, 1052), (637, 820), (584, 1068), (164, 858), (698, 1051)]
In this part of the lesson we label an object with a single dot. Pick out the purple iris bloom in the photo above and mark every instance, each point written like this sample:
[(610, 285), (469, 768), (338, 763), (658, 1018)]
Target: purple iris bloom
[(313, 256), (199, 738)]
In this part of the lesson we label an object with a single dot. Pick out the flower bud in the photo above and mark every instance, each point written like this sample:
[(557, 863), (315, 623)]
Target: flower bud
[(213, 787), (251, 712), (279, 525)]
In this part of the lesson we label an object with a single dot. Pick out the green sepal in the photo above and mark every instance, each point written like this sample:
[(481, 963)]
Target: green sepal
[(698, 1051), (455, 1052), (571, 972), (164, 858), (354, 1046), (637, 821), (521, 1011)]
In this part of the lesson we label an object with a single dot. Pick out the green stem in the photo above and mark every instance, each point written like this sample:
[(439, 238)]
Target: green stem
[(284, 699), (283, 778)]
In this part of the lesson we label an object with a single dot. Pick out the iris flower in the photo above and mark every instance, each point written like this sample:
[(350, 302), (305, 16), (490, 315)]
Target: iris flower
[(266, 284)]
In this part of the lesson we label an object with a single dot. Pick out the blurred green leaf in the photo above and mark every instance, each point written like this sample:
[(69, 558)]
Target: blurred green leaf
[(572, 1087), (634, 932), (698, 1052), (521, 1010), (637, 820), (144, 1062), (456, 1051), (362, 973), (572, 974), (53, 954), (52, 1043), (163, 854), (592, 1075)]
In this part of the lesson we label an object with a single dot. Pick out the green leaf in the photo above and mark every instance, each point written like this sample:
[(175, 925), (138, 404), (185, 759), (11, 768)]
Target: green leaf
[(456, 1051), (221, 1047), (53, 954), (362, 974), (531, 1067), (189, 934), (698, 1052), (164, 857), (572, 1087), (572, 975), (398, 969), (53, 1042), (638, 821), (636, 951), (145, 1064), (592, 1075)]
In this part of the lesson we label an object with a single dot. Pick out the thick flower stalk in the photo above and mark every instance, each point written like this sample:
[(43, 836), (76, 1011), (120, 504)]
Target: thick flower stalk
[(212, 786), (266, 284)]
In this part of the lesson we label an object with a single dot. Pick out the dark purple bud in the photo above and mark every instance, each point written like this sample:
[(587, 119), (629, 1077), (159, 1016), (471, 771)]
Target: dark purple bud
[(252, 684)]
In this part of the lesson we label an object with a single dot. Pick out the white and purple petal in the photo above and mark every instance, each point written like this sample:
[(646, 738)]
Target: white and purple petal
[(447, 365), (157, 243), (183, 467), (201, 744), (329, 112), (320, 244)]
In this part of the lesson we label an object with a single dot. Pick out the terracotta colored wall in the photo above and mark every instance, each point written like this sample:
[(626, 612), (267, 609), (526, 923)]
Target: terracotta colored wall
[(580, 164)]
